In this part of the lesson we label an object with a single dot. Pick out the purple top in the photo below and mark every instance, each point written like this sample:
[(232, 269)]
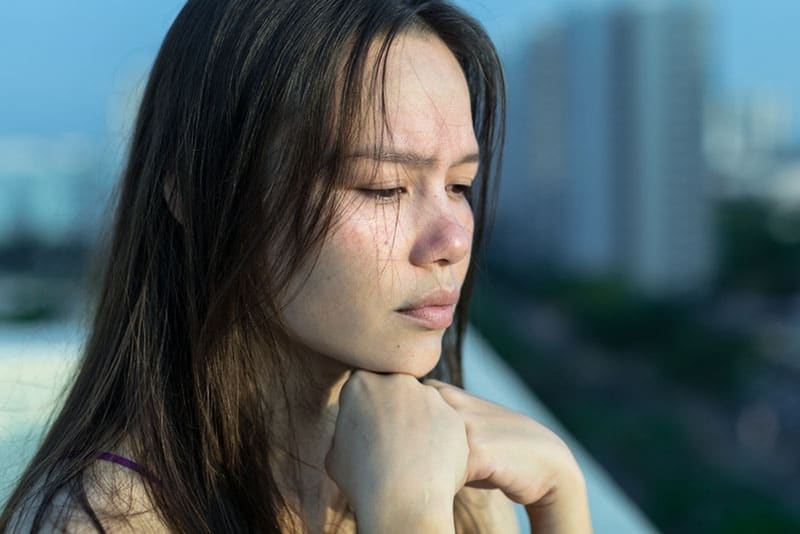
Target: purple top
[(130, 464)]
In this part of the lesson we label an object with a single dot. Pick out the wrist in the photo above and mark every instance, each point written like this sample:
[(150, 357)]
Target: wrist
[(424, 514), (400, 523)]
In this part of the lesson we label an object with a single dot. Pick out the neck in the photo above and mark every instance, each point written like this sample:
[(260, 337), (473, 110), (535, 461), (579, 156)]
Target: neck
[(303, 423)]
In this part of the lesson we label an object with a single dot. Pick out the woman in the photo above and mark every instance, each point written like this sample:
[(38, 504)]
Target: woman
[(292, 252)]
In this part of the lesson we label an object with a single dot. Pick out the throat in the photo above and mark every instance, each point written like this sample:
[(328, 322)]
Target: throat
[(317, 503), (303, 422)]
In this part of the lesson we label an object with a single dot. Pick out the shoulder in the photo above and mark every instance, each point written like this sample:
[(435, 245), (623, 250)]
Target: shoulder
[(117, 496), (492, 510)]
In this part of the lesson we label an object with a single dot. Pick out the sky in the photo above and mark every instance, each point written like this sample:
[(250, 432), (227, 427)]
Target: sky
[(63, 64)]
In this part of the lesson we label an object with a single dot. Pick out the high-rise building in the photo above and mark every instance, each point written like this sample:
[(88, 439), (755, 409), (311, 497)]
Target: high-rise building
[(619, 180), (670, 243)]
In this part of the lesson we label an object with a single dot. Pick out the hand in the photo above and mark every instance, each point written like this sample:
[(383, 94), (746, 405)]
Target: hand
[(398, 448), (524, 459)]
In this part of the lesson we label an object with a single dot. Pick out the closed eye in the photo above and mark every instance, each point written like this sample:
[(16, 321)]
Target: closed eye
[(462, 189), (393, 194), (384, 195)]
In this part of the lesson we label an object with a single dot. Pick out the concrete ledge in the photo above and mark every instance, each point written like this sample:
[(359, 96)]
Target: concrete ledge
[(487, 376), (36, 362)]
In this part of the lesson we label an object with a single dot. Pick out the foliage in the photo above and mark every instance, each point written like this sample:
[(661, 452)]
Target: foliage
[(635, 429), (759, 247)]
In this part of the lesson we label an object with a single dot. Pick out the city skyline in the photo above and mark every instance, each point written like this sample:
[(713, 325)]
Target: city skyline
[(606, 174), (87, 128), (66, 76)]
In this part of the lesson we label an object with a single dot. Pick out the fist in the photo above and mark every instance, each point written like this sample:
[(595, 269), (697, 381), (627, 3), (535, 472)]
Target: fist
[(397, 442)]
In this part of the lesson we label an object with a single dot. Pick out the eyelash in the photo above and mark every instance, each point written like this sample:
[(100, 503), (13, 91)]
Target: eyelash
[(392, 194)]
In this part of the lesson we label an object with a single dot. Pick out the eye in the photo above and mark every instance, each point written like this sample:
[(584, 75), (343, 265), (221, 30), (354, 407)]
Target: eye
[(463, 190), (384, 195)]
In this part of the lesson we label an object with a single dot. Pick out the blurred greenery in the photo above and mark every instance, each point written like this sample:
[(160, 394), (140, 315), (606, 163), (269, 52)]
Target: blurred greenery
[(626, 401), (760, 247), (636, 432), (42, 281), (684, 346)]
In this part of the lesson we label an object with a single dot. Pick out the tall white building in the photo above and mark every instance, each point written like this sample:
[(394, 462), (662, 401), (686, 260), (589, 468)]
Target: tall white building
[(671, 245), (619, 180)]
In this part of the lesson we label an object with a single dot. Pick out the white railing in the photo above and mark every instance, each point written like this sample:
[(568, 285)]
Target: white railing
[(36, 361)]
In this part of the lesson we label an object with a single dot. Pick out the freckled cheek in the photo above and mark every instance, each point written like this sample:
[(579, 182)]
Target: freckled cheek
[(366, 237), (384, 236), (351, 246), (359, 249)]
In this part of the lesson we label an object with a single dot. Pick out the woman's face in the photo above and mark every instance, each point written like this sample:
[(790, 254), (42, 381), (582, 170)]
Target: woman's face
[(389, 273)]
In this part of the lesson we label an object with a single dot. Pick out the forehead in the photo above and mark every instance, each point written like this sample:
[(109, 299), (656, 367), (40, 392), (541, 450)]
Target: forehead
[(427, 104)]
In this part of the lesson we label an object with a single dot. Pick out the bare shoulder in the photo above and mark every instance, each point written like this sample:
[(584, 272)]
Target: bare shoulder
[(494, 510), (117, 496)]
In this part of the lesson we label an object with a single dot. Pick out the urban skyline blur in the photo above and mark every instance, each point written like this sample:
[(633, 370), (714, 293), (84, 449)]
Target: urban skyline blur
[(643, 275), (612, 178), (63, 139), (89, 59)]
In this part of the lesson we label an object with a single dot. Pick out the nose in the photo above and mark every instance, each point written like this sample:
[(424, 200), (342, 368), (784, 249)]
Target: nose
[(443, 240)]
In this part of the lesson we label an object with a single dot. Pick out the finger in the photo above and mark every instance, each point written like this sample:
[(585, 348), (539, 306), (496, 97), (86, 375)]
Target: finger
[(481, 484), (447, 391), (453, 395), (438, 384)]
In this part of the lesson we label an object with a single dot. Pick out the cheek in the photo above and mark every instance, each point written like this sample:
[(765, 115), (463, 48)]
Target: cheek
[(373, 239), (345, 308), (353, 267)]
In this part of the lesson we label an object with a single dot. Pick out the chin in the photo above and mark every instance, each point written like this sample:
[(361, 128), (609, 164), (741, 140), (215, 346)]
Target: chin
[(418, 366), (415, 354), (417, 360), (417, 371)]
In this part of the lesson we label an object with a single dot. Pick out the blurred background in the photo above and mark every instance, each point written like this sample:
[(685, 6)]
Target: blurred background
[(643, 276)]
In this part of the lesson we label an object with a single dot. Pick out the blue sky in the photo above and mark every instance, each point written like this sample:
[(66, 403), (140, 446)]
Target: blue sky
[(61, 60)]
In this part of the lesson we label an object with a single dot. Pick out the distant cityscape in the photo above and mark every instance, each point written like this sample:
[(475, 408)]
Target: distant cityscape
[(628, 184), (618, 152), (51, 190)]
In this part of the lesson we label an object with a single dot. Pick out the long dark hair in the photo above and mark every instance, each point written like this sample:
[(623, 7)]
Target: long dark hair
[(243, 123)]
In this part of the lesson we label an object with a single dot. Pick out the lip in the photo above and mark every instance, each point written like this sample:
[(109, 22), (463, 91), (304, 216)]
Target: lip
[(440, 297), (434, 310), (433, 317)]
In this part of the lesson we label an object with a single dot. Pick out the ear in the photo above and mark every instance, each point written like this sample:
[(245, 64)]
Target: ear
[(172, 198)]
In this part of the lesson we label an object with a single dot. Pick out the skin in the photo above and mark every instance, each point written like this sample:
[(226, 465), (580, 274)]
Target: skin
[(405, 230), (402, 233), (369, 433), (372, 432)]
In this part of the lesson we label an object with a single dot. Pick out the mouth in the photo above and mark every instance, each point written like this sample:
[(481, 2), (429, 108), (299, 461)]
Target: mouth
[(433, 317), (434, 310)]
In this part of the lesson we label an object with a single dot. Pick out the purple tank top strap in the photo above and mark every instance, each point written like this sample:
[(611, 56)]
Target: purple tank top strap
[(125, 462)]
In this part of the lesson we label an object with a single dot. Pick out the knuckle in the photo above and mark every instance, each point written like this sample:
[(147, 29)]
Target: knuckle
[(358, 375)]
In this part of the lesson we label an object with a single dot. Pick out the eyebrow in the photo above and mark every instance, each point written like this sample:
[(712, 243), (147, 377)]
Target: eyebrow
[(411, 159)]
